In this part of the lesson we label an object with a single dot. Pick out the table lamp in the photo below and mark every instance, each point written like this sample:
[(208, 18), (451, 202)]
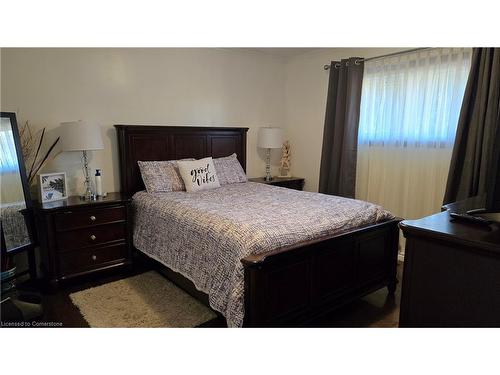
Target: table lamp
[(81, 136), (269, 138)]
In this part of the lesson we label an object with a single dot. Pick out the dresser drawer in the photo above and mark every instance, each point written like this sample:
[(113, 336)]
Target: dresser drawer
[(87, 259), (80, 219), (91, 236)]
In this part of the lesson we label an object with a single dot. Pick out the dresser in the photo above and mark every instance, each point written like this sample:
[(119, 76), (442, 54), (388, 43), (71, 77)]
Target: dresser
[(451, 275), (79, 237), (296, 183)]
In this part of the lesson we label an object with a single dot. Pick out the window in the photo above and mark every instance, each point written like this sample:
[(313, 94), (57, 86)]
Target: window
[(410, 105), (414, 99), (8, 156)]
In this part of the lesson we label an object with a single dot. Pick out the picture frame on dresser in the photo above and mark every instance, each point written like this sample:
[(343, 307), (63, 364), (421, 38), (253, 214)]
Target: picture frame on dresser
[(52, 186)]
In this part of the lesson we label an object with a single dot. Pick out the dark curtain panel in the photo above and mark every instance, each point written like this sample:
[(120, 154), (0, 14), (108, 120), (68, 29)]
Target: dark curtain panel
[(340, 136), (478, 126)]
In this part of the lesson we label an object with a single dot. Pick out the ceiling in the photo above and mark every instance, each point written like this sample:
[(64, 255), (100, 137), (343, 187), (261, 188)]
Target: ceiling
[(284, 53)]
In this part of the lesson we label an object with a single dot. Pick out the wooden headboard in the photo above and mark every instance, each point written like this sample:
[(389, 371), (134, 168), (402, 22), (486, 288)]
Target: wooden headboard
[(145, 143)]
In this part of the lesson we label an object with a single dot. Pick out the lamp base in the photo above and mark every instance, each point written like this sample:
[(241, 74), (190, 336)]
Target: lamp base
[(91, 197), (88, 195), (268, 166)]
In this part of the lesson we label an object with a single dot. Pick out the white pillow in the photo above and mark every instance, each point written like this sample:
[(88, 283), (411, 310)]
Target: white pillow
[(198, 174)]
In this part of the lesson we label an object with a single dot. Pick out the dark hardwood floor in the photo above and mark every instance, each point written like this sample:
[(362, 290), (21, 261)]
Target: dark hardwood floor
[(375, 310)]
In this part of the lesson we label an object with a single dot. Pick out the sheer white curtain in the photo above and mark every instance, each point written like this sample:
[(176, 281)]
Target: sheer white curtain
[(409, 112)]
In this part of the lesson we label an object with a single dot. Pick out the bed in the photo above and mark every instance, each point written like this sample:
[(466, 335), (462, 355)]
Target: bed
[(260, 255)]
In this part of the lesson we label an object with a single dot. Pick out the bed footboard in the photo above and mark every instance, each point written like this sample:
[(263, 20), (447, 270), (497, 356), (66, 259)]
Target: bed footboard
[(293, 286)]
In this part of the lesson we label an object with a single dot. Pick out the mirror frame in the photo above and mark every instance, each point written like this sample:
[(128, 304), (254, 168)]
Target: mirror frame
[(24, 181)]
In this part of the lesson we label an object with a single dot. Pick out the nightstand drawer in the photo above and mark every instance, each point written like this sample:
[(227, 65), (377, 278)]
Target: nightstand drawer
[(80, 219), (91, 236), (88, 259), (295, 184)]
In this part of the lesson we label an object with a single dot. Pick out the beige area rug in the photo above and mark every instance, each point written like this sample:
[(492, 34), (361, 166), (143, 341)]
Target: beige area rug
[(145, 300)]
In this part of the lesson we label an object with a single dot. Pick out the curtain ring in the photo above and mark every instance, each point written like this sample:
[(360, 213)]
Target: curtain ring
[(357, 61), (337, 65)]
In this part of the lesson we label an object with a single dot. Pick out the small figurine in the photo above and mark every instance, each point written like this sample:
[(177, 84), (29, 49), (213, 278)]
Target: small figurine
[(285, 159)]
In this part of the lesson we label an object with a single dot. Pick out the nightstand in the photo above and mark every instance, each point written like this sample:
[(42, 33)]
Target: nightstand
[(79, 237), (296, 183)]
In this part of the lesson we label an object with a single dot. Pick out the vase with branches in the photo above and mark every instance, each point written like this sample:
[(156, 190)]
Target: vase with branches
[(32, 145)]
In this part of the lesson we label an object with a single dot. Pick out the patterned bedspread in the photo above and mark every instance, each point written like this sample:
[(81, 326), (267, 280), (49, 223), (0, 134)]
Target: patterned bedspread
[(204, 235)]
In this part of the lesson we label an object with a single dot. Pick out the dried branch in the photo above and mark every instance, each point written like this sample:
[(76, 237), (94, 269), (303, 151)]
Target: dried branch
[(42, 162), (28, 144), (36, 154)]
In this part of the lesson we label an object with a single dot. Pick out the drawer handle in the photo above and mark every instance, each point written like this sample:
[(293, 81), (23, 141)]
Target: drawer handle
[(92, 218), (94, 257), (92, 237)]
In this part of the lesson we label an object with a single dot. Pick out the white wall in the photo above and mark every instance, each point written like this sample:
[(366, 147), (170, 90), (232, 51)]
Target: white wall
[(168, 86), (212, 87), (306, 87)]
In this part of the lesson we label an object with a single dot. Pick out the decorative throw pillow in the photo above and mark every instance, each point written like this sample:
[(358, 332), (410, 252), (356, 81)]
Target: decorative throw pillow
[(198, 174), (161, 176), (229, 170)]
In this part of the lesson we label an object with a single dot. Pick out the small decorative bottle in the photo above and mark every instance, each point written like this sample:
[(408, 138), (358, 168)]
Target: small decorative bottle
[(98, 183)]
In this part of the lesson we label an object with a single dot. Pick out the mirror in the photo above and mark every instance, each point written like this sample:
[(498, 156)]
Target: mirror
[(15, 200)]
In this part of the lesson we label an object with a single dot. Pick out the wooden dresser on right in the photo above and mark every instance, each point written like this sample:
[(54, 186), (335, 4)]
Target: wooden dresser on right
[(451, 275)]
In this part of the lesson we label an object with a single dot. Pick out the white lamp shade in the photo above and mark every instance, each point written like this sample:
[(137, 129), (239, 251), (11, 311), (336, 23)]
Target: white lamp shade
[(270, 138), (80, 136)]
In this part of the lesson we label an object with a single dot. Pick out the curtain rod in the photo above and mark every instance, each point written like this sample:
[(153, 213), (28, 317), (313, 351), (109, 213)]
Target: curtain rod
[(327, 66)]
